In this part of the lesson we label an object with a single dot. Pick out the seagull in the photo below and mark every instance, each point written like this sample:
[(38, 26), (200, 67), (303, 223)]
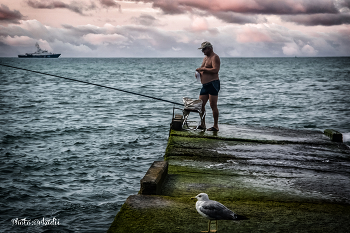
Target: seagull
[(214, 210)]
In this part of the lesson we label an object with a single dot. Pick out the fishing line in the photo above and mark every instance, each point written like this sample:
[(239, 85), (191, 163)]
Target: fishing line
[(76, 80)]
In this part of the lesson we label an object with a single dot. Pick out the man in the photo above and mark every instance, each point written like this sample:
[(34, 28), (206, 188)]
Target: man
[(209, 72)]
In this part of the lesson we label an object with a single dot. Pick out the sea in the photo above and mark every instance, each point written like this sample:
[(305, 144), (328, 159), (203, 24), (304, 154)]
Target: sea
[(71, 153)]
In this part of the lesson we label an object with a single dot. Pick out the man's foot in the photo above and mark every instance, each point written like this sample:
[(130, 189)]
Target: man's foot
[(201, 127), (213, 129)]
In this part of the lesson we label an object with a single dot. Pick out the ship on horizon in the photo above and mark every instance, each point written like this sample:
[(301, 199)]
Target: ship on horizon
[(40, 53)]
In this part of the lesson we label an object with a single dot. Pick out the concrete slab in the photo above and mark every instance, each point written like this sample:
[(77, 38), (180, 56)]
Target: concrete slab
[(281, 179), (258, 134), (152, 182)]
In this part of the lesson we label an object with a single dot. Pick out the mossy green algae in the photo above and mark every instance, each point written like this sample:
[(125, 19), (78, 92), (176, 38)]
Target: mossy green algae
[(266, 216), (264, 212), (269, 207)]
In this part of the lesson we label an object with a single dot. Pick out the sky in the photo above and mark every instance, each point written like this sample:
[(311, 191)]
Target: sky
[(176, 28)]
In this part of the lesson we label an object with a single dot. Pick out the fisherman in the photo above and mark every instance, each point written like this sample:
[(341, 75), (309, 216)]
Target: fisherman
[(209, 72)]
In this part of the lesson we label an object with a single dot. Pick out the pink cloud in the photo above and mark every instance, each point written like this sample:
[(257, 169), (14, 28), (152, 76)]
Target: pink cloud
[(199, 24), (249, 35)]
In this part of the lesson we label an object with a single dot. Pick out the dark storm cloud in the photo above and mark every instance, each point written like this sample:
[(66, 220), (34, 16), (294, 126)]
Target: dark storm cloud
[(306, 12), (319, 19), (73, 6), (247, 6), (8, 16)]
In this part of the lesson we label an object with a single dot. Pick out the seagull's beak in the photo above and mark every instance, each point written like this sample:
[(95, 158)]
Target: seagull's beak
[(193, 198)]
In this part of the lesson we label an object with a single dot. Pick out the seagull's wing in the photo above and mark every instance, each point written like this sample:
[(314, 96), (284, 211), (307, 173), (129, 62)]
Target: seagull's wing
[(216, 210)]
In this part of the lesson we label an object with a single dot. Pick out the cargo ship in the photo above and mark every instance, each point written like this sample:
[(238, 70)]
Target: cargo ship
[(40, 54)]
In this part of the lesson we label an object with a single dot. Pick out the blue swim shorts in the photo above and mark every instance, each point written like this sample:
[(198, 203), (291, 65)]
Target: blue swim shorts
[(211, 88)]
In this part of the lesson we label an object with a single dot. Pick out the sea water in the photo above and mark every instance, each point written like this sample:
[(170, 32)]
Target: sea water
[(73, 152)]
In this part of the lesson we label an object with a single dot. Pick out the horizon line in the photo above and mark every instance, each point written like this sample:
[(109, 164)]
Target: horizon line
[(203, 56)]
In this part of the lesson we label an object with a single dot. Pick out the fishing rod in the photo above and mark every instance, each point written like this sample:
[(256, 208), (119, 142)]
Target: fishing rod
[(76, 80)]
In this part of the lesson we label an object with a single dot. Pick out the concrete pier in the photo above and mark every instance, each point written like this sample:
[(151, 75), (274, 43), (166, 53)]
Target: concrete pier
[(151, 183), (281, 179)]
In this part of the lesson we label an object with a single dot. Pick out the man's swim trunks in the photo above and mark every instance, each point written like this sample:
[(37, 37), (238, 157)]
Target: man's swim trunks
[(211, 88)]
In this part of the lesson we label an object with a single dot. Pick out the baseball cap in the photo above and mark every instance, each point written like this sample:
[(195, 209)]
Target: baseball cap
[(205, 44)]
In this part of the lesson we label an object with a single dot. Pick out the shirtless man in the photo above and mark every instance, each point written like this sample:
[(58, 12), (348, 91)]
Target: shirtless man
[(209, 72)]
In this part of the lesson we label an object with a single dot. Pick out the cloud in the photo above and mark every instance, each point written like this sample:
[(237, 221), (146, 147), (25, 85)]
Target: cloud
[(125, 40), (251, 34), (146, 20), (18, 40), (8, 16), (109, 3), (199, 24), (237, 18), (318, 19), (29, 28), (102, 39), (297, 49), (248, 6), (309, 50), (301, 45), (83, 29), (306, 12), (149, 41), (291, 49), (77, 7), (169, 7), (343, 3)]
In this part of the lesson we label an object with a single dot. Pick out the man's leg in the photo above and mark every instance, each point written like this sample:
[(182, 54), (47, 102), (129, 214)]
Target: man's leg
[(204, 99), (213, 99)]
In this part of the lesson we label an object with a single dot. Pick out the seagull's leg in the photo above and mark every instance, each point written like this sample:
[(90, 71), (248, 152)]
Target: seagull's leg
[(208, 227), (216, 225)]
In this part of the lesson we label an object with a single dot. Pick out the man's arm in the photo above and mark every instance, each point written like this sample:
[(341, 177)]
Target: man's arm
[(203, 63)]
